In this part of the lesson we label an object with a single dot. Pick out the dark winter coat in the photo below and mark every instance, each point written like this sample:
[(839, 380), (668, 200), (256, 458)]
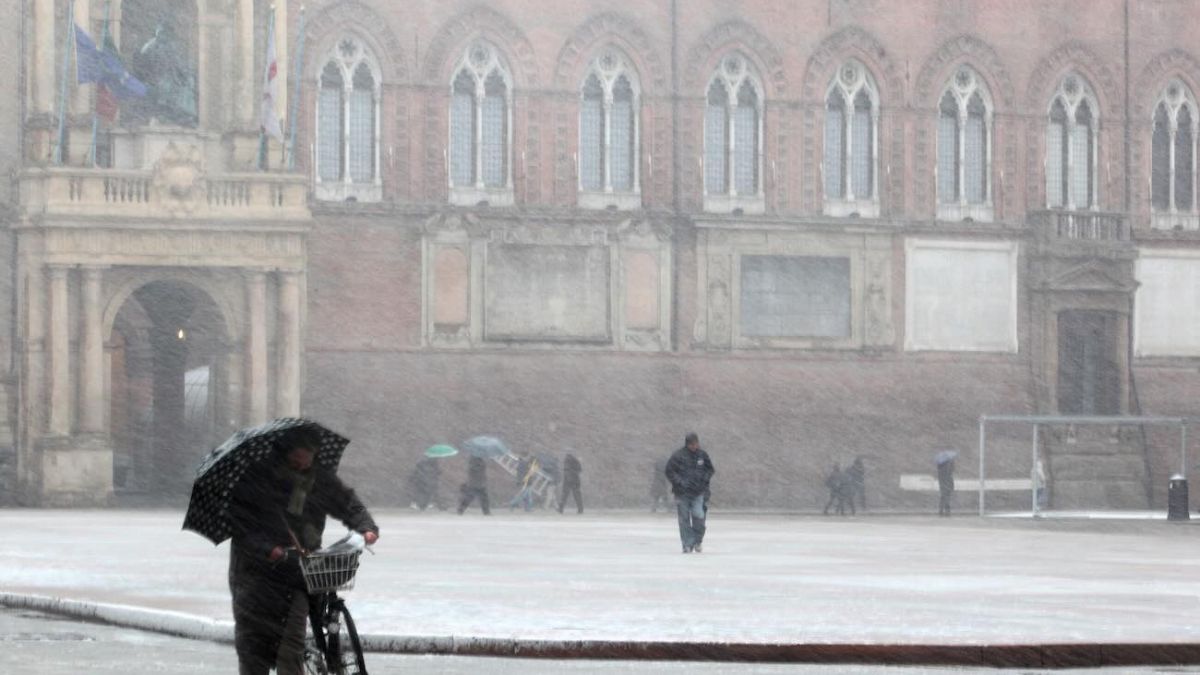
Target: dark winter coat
[(262, 590), (476, 473), (571, 470), (690, 472), (426, 475), (946, 477)]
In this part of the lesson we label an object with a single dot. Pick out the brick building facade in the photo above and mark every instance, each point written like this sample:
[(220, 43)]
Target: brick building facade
[(808, 231)]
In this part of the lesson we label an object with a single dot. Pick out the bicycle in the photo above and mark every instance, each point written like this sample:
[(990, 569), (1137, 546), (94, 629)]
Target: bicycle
[(334, 647)]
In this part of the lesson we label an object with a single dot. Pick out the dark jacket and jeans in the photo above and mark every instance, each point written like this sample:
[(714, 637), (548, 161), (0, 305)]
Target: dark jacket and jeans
[(476, 486), (945, 474), (571, 482), (690, 472), (270, 605)]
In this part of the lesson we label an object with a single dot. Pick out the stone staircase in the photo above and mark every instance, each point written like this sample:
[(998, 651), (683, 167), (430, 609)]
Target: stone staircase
[(1095, 467)]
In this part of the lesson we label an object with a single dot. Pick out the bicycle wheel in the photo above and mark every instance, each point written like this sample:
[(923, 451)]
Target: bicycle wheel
[(314, 660), (345, 645), (352, 652)]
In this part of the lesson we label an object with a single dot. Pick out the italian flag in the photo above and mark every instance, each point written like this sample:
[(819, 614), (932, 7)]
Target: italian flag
[(269, 121)]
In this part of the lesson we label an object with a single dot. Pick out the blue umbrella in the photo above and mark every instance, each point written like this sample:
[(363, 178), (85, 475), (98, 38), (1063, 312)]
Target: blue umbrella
[(486, 447), (944, 456)]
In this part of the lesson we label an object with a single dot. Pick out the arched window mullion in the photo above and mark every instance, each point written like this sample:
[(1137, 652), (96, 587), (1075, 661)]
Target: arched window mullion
[(1195, 125), (347, 92), (961, 188), (848, 154), (874, 157), (606, 143), (480, 93), (730, 141), (377, 141), (1172, 135)]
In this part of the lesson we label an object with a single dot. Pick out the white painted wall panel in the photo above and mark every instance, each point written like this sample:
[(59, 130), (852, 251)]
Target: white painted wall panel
[(961, 296), (1167, 308)]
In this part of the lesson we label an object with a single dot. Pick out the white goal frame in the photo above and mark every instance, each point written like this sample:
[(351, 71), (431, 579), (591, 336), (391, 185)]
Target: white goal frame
[(1038, 420)]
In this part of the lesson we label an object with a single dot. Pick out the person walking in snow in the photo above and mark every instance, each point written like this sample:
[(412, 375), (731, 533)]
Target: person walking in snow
[(476, 486), (571, 482), (836, 482), (856, 484), (690, 471), (945, 475)]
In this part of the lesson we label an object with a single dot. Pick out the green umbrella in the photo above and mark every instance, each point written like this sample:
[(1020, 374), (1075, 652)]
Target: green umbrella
[(441, 450)]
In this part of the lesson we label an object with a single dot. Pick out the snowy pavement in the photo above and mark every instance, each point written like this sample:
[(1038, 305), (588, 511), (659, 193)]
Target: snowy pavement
[(620, 576)]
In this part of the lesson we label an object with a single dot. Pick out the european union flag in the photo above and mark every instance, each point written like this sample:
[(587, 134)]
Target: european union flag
[(104, 67)]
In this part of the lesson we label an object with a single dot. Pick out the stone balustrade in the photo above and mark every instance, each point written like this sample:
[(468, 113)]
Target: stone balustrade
[(178, 192), (1081, 225)]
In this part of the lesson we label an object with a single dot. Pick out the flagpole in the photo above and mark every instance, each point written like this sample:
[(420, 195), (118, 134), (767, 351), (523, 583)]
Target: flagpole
[(68, 50), (262, 131), (295, 103), (95, 116)]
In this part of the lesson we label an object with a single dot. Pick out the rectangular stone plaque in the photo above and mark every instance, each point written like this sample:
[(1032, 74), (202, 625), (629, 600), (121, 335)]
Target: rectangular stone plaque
[(547, 293), (795, 296)]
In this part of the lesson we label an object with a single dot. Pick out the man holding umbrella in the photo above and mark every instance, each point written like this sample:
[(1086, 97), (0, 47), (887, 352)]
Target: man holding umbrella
[(280, 480), (945, 474)]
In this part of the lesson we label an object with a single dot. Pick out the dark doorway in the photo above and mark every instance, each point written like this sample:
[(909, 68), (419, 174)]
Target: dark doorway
[(1089, 364), (168, 363)]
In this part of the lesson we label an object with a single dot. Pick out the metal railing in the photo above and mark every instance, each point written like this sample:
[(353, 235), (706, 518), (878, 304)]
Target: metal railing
[(1081, 225)]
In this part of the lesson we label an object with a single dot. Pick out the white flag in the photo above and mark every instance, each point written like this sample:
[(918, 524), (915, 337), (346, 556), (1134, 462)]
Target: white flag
[(269, 121)]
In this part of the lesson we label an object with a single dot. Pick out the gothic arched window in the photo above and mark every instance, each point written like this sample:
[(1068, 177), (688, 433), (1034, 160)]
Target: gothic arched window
[(733, 119), (608, 130), (1173, 153), (964, 147), (1071, 146), (851, 138), (480, 122), (347, 143)]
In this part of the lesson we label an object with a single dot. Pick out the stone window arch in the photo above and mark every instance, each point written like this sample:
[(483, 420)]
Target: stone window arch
[(347, 148), (1173, 153), (733, 132), (609, 132), (852, 142), (964, 148), (481, 128), (1072, 146)]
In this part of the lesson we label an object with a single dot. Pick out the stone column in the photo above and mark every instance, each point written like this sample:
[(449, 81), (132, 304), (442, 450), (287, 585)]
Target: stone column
[(91, 370), (44, 56), (60, 354), (32, 381), (256, 347), (288, 391)]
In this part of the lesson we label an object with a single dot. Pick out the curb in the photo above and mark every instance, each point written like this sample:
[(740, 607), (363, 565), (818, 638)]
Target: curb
[(1073, 655), (125, 616)]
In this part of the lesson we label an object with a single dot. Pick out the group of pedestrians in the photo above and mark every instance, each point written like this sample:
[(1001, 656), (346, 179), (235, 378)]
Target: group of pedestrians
[(846, 488), (529, 468)]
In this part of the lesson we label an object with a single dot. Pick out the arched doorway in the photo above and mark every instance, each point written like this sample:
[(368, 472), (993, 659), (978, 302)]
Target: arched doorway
[(169, 365)]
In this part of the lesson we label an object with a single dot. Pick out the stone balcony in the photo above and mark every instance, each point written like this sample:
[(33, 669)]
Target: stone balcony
[(1084, 226), (176, 188)]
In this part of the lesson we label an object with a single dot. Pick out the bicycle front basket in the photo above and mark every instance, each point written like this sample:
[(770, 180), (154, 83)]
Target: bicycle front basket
[(326, 572)]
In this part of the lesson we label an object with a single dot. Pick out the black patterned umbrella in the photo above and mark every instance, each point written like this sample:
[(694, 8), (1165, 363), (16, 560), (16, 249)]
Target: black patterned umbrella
[(219, 473)]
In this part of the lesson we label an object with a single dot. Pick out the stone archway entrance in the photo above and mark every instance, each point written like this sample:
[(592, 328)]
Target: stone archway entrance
[(170, 365)]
